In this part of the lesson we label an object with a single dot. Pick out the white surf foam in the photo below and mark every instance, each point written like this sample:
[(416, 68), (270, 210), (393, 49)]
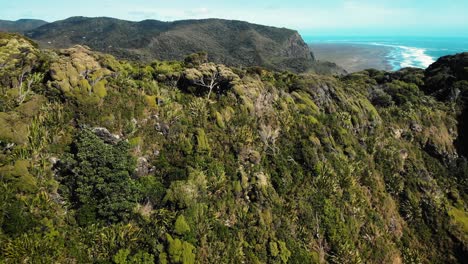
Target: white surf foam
[(404, 56), (415, 57)]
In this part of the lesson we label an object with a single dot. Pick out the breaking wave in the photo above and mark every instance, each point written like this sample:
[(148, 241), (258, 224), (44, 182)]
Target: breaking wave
[(404, 56)]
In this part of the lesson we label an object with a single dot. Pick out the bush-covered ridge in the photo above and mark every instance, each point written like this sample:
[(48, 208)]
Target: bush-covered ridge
[(21, 25), (230, 42), (108, 161)]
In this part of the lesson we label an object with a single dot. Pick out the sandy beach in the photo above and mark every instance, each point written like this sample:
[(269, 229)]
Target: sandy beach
[(352, 57)]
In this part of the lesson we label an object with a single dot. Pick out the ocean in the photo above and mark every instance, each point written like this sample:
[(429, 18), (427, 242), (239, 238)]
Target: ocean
[(419, 52)]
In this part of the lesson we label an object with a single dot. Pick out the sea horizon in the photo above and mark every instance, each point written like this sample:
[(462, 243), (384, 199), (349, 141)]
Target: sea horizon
[(401, 51)]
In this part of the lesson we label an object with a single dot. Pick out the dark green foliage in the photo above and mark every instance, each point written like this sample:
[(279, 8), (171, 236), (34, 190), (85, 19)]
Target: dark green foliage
[(151, 189), (16, 219), (381, 99), (196, 59), (96, 177)]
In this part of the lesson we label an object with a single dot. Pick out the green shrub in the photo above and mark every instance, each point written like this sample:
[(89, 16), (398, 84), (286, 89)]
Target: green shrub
[(96, 179), (181, 227)]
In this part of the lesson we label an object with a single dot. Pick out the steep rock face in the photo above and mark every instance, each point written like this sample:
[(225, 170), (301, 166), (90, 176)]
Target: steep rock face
[(296, 47), (447, 79), (235, 43), (442, 78)]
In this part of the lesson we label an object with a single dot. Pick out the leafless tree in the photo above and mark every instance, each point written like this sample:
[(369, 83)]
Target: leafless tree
[(269, 135), (24, 89), (211, 76), (209, 82)]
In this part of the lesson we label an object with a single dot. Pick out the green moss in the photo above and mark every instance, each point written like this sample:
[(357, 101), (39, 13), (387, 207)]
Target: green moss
[(228, 112), (315, 257), (84, 85), (100, 88), (168, 67), (180, 251), (312, 120), (31, 107), (188, 255), (460, 217), (18, 176), (121, 256), (151, 101), (305, 98), (181, 227), (13, 128), (284, 252), (136, 141), (274, 251), (237, 187), (219, 120), (202, 141), (163, 258)]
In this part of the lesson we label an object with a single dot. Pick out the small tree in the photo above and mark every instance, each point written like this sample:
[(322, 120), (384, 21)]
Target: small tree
[(24, 89), (210, 76)]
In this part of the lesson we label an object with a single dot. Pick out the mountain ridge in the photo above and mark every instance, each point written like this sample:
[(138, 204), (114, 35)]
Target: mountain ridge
[(231, 42), (21, 25)]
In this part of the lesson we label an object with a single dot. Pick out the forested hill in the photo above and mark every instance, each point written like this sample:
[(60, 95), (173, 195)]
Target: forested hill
[(234, 43), (21, 25), (109, 161)]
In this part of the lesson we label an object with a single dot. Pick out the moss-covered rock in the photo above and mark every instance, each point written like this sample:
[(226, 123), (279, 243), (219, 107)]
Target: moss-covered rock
[(19, 177), (79, 70)]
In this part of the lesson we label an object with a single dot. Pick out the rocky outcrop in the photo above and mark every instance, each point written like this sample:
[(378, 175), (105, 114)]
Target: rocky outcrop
[(105, 135), (80, 71), (445, 77)]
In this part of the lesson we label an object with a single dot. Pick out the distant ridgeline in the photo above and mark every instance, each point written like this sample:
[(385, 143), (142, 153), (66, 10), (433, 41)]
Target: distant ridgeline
[(233, 43), (191, 161), (21, 25)]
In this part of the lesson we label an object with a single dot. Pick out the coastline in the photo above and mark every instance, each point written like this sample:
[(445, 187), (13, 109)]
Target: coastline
[(354, 57), (384, 53)]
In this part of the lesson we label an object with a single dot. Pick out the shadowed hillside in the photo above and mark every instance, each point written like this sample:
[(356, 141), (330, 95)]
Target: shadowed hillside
[(234, 43), (21, 25)]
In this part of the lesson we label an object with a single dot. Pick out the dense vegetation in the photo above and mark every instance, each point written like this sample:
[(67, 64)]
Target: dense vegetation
[(107, 161), (233, 43)]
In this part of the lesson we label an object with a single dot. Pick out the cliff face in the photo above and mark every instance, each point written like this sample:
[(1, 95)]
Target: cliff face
[(295, 47), (444, 78), (234, 43), (447, 80)]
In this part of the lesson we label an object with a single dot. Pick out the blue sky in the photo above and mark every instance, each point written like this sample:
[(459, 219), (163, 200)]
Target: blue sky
[(310, 17)]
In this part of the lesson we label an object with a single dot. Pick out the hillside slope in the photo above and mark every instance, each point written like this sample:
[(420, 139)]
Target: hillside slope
[(234, 43), (108, 161), (21, 25)]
